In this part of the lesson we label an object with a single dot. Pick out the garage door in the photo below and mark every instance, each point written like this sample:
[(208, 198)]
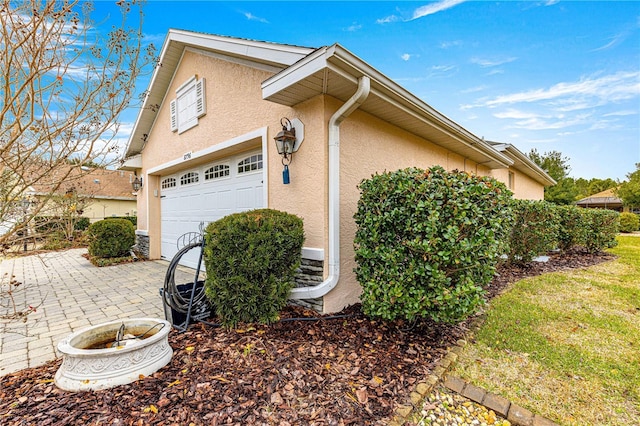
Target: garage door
[(206, 194)]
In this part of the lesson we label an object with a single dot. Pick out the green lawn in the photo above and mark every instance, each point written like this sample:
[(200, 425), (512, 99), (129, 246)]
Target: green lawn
[(566, 345)]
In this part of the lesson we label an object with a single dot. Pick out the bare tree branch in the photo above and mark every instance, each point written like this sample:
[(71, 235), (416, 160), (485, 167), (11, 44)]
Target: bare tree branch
[(63, 87)]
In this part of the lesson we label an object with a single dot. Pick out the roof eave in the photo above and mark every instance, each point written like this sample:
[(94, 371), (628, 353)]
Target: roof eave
[(343, 63), (523, 163), (536, 171)]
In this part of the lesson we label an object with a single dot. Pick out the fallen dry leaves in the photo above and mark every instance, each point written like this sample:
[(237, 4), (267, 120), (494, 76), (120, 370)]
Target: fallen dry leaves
[(347, 371)]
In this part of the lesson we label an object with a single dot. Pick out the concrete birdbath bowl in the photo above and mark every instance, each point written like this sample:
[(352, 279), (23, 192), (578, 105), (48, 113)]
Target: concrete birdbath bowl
[(113, 353)]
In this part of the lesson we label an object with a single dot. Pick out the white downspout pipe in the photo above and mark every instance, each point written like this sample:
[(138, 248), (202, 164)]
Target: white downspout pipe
[(353, 103)]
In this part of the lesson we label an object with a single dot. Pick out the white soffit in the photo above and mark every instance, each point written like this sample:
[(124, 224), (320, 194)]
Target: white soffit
[(334, 71)]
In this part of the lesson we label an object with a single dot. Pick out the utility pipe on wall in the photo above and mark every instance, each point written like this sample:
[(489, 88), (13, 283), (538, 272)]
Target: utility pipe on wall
[(353, 103)]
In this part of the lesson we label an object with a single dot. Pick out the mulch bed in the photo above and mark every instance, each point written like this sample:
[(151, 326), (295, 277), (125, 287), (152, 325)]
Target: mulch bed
[(343, 371)]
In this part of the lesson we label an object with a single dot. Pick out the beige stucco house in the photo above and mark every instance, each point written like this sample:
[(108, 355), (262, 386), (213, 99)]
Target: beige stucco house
[(97, 192), (203, 144)]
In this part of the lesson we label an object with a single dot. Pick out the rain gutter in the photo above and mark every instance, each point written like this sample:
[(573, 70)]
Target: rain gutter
[(353, 103)]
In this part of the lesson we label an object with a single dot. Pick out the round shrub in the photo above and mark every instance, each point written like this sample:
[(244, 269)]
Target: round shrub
[(111, 238), (629, 222), (428, 241), (81, 224), (251, 259)]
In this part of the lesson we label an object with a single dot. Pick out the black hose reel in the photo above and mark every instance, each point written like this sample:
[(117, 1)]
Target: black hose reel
[(186, 302)]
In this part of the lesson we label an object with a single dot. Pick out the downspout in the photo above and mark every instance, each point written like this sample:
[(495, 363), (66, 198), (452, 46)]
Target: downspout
[(353, 103)]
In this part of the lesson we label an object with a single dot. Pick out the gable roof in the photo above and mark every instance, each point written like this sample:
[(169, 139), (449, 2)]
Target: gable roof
[(302, 73), (272, 56)]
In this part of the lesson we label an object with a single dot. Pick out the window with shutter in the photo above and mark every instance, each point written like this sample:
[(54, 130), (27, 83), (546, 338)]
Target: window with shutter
[(189, 105), (174, 115)]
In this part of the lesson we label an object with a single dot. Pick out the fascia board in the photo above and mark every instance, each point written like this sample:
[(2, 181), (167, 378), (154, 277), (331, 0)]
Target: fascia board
[(273, 53), (541, 175), (339, 59), (302, 69), (145, 110)]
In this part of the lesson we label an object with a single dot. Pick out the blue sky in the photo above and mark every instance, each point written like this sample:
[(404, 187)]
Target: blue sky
[(550, 75)]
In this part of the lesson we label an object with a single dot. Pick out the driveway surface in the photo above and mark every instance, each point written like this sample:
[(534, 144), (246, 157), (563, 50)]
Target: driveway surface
[(69, 293)]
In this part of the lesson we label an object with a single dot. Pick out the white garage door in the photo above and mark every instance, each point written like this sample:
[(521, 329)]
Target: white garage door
[(206, 194)]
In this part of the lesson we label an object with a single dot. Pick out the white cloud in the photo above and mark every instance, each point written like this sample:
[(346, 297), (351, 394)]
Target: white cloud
[(512, 113), (448, 44), (620, 86), (621, 36), (156, 39), (353, 27), (251, 17), (431, 8), (474, 89), (422, 11), (405, 56), (621, 113), (441, 70), (485, 63), (388, 19)]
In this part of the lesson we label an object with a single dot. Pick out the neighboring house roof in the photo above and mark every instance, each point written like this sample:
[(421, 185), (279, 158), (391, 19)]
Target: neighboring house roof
[(604, 198), (302, 73), (524, 164), (96, 183)]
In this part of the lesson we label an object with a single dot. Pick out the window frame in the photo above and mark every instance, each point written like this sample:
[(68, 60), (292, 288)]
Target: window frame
[(259, 162), (226, 167), (189, 105), (191, 177)]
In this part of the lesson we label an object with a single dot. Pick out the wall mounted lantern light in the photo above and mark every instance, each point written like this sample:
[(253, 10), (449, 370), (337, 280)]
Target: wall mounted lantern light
[(287, 142), (136, 184)]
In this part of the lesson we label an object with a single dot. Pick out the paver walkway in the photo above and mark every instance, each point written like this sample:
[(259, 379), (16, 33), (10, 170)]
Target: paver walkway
[(69, 293)]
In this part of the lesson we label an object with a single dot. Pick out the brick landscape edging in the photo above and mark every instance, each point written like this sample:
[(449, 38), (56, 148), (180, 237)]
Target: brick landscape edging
[(515, 414)]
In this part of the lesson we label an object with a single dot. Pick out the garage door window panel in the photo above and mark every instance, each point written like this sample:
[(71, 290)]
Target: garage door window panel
[(219, 171), (168, 183), (189, 178), (250, 164)]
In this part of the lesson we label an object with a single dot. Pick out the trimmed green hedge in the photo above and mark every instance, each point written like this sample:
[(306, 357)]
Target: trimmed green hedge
[(571, 226), (629, 222), (251, 259), (601, 227), (428, 241), (111, 238), (534, 230)]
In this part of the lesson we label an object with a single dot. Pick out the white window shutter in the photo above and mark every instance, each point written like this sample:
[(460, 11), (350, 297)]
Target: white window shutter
[(173, 107), (201, 102)]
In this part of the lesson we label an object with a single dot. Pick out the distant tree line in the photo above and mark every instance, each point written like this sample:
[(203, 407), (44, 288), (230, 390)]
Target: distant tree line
[(568, 190)]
